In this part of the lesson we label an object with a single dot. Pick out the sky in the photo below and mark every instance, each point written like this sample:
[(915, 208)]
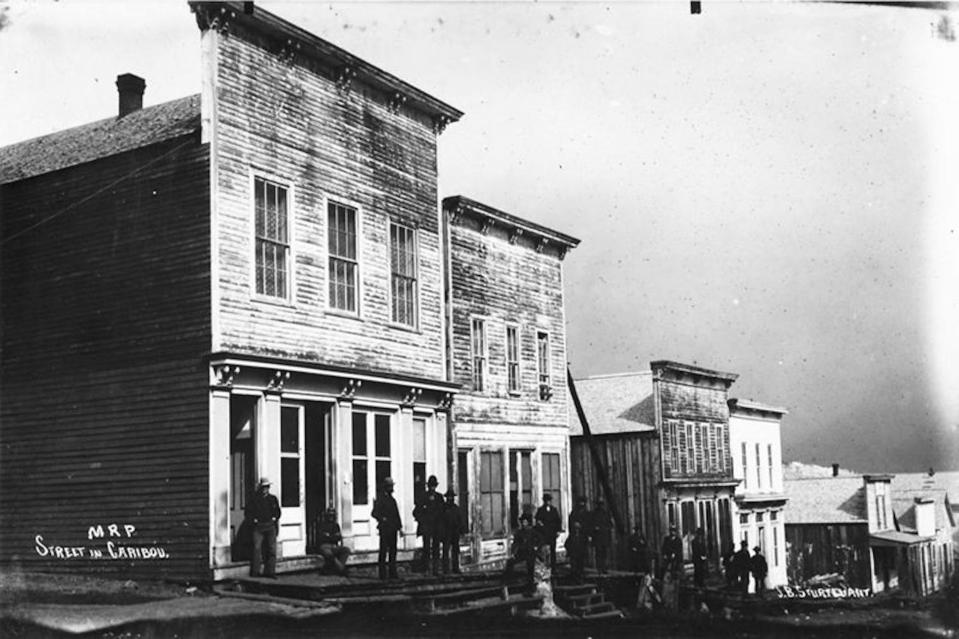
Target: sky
[(766, 188)]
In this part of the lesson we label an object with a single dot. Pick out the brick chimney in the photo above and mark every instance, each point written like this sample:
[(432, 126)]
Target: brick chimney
[(925, 516), (130, 89), (835, 470)]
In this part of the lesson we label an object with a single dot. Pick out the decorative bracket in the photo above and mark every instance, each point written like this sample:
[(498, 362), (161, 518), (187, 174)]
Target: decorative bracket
[(344, 78), (447, 402), (545, 392), (208, 17), (514, 235), (562, 252), (288, 52), (276, 383), (457, 213), (225, 374), (349, 391), (409, 400), (486, 226), (440, 123), (541, 245), (395, 102)]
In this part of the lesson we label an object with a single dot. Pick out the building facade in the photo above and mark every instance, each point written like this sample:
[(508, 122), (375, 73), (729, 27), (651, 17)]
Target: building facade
[(755, 441), (507, 341), (244, 283), (662, 439)]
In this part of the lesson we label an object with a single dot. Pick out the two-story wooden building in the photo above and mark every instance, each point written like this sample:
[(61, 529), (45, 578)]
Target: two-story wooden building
[(507, 341), (247, 282), (662, 437)]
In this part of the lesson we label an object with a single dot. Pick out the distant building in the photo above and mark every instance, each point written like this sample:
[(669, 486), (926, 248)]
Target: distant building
[(507, 350), (755, 440), (663, 438), (847, 525)]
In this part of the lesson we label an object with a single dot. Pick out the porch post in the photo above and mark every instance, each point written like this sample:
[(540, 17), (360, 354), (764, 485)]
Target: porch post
[(268, 439), (342, 444), (402, 454), (220, 476)]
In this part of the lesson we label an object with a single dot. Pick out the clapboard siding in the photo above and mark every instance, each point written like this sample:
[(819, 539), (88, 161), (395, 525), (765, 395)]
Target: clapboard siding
[(105, 323), (506, 284), (702, 403), (290, 123)]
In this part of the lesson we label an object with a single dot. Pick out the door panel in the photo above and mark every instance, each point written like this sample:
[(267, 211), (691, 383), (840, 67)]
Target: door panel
[(373, 447), (292, 493)]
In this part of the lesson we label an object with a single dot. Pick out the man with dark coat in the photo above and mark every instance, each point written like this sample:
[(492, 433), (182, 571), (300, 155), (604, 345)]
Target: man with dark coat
[(387, 514), (263, 512), (523, 549), (741, 564), (451, 527), (330, 542), (759, 568), (576, 550), (672, 552), (581, 514), (601, 533), (700, 559), (638, 552), (548, 526), (429, 514)]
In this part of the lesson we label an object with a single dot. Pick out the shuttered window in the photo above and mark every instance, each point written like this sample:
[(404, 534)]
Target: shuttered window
[(478, 353), (403, 264), (542, 359), (343, 262), (272, 238), (512, 358)]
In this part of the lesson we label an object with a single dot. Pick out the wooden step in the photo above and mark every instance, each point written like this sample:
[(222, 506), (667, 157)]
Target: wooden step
[(573, 589), (488, 604), (600, 606), (611, 614)]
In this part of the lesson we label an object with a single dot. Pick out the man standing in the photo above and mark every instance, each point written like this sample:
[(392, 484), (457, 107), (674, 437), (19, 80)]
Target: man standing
[(672, 552), (700, 561), (387, 515), (638, 552), (451, 527), (741, 565), (429, 515), (576, 550), (263, 511), (580, 514), (330, 540), (759, 568), (602, 528), (549, 525), (523, 549)]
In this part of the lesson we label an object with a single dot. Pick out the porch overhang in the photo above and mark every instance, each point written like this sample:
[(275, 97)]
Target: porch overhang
[(894, 538), (756, 500)]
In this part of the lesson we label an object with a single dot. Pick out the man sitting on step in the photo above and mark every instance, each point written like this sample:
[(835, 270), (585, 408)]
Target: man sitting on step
[(330, 541)]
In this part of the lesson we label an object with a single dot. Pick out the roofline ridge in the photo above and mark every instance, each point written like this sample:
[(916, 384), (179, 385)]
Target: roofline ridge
[(610, 375)]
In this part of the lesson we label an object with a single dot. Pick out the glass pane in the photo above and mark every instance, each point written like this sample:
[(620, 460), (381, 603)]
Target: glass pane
[(260, 206), (419, 481), (281, 214), (462, 473), (419, 440), (382, 471), (361, 487), (290, 481), (382, 435), (359, 434), (290, 430)]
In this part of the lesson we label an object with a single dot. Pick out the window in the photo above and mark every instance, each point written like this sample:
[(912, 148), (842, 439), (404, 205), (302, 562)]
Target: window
[(290, 456), (759, 470), (744, 470), (343, 257), (272, 238), (520, 484), (361, 461), (671, 514), (761, 538), (688, 509), (769, 451), (674, 440), (542, 360), (700, 446), (381, 447), (552, 480), (403, 274), (512, 358), (463, 485), (491, 497), (775, 545), (478, 348), (419, 460), (690, 450), (721, 447), (713, 449)]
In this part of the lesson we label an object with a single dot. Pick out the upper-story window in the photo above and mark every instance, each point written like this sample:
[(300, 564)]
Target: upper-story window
[(759, 468), (512, 359), (478, 352), (769, 452), (745, 470), (272, 239), (542, 360), (343, 257), (403, 274)]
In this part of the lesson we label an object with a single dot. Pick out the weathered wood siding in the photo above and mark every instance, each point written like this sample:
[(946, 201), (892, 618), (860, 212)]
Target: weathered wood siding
[(631, 462), (821, 549), (702, 406), (105, 321), (290, 123), (506, 284)]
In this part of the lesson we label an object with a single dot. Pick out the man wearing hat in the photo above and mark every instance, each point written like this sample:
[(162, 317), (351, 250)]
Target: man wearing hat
[(759, 568), (741, 564), (549, 524), (450, 529), (330, 541), (263, 512), (672, 552), (387, 514), (429, 516)]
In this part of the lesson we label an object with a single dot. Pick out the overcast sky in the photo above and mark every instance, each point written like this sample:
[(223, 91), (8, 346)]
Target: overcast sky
[(770, 189)]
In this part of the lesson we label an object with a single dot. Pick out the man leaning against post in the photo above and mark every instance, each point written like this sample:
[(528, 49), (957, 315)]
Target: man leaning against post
[(263, 511)]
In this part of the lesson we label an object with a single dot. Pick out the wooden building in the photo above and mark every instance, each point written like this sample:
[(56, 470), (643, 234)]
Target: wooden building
[(247, 282), (662, 438), (507, 340), (755, 439)]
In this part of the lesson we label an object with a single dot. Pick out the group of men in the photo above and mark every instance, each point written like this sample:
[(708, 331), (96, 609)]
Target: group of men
[(439, 523), (588, 529), (740, 565), (533, 533)]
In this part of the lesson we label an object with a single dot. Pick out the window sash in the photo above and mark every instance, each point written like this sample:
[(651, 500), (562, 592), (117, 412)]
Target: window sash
[(512, 358), (542, 358), (271, 238), (478, 355), (343, 264), (491, 494), (403, 274)]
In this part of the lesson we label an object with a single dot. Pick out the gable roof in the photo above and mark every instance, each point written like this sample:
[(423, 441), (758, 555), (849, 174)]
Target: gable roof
[(615, 404), (825, 500), (99, 139)]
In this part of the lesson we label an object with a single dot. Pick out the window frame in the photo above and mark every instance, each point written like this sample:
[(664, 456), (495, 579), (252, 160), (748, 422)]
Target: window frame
[(415, 242), (484, 385), (544, 389), (497, 492), (557, 494), (286, 184), (517, 363), (329, 201)]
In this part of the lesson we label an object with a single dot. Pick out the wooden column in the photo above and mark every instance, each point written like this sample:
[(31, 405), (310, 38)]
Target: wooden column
[(267, 440), (220, 476), (341, 435)]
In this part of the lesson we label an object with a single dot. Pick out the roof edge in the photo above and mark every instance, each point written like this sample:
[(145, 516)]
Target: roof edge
[(693, 370), (750, 406), (460, 202)]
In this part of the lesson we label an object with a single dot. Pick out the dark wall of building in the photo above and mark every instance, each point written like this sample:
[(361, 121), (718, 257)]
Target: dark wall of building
[(105, 322), (631, 463), (821, 549)]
